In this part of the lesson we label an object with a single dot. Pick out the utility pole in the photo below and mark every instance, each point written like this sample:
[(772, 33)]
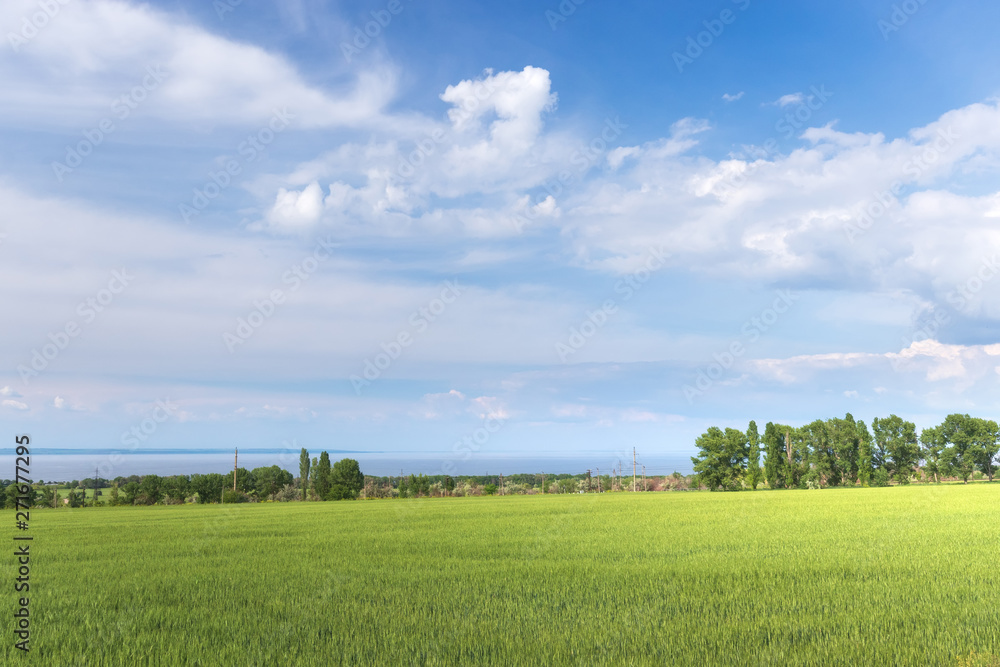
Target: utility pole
[(643, 476), (599, 481), (633, 470), (236, 464), (501, 484), (543, 483), (95, 486), (588, 480)]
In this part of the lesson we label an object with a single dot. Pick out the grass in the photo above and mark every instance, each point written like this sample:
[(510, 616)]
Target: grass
[(904, 575)]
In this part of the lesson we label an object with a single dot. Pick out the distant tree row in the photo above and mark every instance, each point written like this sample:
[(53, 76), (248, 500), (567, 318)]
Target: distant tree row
[(319, 481), (844, 452)]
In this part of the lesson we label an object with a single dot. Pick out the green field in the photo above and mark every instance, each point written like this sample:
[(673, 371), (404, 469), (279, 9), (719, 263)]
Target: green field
[(903, 575)]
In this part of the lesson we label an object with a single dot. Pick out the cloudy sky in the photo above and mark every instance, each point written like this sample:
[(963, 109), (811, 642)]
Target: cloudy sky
[(549, 228)]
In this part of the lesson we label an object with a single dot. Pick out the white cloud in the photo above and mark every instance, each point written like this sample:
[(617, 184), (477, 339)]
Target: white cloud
[(791, 98), (59, 403), (14, 405), (93, 52), (732, 98)]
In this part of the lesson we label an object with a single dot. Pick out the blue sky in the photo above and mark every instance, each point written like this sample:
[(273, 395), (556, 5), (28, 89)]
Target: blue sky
[(552, 237)]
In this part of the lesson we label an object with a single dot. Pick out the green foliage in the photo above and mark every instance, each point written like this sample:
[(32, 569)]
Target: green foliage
[(754, 474), (490, 489), (346, 480), (304, 470), (721, 458), (880, 477), (209, 487), (230, 496), (322, 476), (268, 481), (775, 461), (897, 447)]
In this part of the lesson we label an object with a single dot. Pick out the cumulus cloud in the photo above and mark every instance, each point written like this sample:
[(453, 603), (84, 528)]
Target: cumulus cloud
[(14, 405), (732, 98)]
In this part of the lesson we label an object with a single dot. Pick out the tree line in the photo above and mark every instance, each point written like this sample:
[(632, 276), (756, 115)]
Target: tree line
[(845, 452), (318, 480)]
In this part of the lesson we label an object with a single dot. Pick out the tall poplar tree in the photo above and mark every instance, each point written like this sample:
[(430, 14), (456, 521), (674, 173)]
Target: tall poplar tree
[(322, 476), (754, 474), (304, 470)]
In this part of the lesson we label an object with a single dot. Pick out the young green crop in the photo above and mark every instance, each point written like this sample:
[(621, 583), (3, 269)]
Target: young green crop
[(902, 575)]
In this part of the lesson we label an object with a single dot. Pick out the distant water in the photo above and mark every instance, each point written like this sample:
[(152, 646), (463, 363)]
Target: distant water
[(69, 464)]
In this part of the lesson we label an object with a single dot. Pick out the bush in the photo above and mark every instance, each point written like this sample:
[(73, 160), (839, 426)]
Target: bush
[(235, 497), (287, 493), (880, 477), (490, 489)]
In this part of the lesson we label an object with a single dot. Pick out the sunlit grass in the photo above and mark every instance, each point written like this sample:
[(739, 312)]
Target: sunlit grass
[(852, 576)]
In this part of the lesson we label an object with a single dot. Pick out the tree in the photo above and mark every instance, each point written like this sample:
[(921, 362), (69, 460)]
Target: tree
[(150, 491), (896, 442), (346, 480), (754, 473), (269, 480), (864, 454), (774, 456), (322, 476), (304, 470), (933, 446), (45, 494), (821, 462), (77, 498), (957, 432), (721, 458), (985, 445), (176, 488), (209, 487), (131, 492)]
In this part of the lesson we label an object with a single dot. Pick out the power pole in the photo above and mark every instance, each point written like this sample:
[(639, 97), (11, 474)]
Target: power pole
[(236, 464), (633, 470), (599, 481), (543, 483), (643, 476), (501, 484)]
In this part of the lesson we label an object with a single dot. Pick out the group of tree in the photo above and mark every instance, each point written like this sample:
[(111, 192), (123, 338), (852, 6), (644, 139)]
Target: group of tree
[(319, 481), (845, 452)]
